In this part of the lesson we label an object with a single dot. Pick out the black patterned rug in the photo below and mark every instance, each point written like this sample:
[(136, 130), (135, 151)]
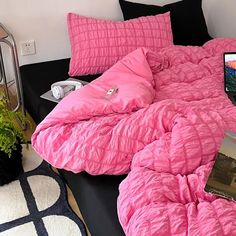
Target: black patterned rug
[(36, 204)]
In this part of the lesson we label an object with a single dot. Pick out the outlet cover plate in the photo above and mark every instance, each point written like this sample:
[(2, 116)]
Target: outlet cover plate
[(27, 47)]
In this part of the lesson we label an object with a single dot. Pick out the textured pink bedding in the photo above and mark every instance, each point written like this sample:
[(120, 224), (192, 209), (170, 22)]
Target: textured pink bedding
[(163, 127)]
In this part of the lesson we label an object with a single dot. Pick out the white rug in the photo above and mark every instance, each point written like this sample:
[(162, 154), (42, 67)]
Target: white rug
[(36, 204)]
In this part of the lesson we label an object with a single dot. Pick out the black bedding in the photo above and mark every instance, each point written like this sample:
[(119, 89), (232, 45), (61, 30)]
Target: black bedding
[(95, 195), (37, 79)]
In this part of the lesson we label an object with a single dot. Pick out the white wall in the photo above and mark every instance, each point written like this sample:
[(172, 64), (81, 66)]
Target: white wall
[(220, 16), (45, 21)]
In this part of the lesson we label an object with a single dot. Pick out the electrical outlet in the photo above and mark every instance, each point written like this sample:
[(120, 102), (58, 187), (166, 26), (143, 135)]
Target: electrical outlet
[(27, 47)]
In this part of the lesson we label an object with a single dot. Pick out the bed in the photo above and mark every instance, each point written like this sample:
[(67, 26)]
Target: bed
[(148, 71), (95, 195)]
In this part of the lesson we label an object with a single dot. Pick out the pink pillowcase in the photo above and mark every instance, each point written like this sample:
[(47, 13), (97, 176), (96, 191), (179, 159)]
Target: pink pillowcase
[(96, 44)]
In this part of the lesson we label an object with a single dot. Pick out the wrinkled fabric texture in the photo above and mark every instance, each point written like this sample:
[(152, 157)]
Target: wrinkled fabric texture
[(98, 44), (163, 127)]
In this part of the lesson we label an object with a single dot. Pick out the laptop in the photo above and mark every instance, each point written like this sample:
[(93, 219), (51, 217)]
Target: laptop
[(230, 75)]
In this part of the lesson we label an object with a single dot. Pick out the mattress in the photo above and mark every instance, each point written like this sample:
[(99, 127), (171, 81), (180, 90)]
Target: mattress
[(95, 195)]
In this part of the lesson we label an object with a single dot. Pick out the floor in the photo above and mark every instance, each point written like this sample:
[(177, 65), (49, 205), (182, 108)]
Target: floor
[(28, 132)]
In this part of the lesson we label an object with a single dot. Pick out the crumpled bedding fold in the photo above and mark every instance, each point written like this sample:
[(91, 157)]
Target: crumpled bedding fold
[(163, 127)]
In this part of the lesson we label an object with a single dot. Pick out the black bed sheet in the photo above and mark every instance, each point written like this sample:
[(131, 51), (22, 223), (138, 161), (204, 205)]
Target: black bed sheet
[(97, 200), (37, 79), (95, 195)]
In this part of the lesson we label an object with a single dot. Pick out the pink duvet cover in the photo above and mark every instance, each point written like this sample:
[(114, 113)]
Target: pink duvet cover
[(163, 127)]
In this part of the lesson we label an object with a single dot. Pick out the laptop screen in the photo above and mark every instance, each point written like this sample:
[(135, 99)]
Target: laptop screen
[(230, 72)]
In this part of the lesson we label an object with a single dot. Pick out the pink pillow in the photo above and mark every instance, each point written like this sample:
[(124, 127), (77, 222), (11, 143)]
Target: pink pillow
[(96, 44)]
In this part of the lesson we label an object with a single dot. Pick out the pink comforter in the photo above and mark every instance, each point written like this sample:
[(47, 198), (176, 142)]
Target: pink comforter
[(163, 126)]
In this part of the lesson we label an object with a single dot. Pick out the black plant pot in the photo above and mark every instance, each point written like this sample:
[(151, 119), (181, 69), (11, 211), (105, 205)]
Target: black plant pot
[(10, 167)]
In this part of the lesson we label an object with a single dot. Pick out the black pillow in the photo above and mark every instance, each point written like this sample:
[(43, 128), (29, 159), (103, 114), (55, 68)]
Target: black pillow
[(187, 19)]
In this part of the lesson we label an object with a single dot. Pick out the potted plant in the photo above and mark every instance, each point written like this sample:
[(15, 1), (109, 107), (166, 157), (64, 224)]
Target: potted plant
[(11, 138)]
